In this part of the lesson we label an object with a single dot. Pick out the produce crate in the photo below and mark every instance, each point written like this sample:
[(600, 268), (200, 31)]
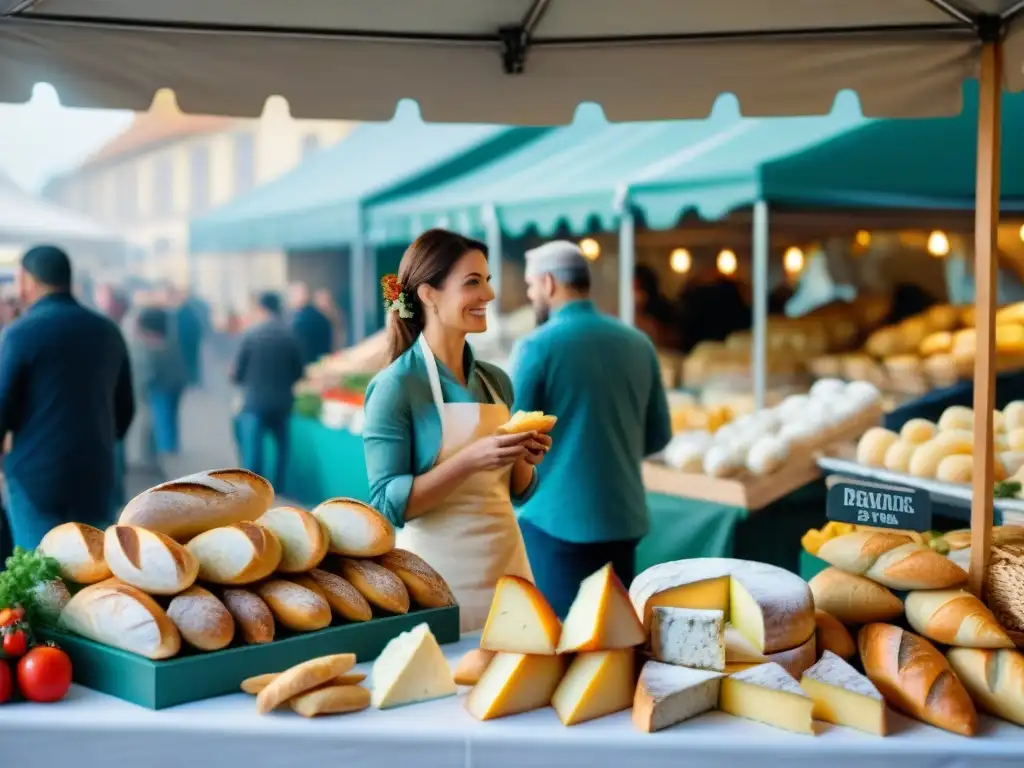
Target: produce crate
[(192, 676)]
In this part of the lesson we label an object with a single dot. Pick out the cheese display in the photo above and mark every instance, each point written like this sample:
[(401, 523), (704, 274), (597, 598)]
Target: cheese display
[(689, 637), (601, 616), (843, 696), (768, 694), (667, 694), (597, 683), (411, 668), (993, 678), (739, 650), (515, 683), (772, 607), (520, 620)]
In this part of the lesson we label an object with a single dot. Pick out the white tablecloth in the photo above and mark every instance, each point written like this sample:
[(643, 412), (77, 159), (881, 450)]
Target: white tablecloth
[(90, 730)]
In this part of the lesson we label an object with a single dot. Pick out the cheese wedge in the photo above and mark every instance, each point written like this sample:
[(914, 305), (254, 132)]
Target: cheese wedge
[(667, 694), (601, 617), (515, 683), (598, 683), (843, 696), (689, 637), (411, 668), (768, 694), (739, 650), (520, 620)]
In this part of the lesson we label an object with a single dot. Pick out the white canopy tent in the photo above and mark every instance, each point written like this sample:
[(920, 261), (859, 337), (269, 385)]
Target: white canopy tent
[(27, 220), (534, 61)]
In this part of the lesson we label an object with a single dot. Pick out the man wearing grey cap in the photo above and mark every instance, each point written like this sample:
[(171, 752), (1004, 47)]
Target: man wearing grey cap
[(602, 380)]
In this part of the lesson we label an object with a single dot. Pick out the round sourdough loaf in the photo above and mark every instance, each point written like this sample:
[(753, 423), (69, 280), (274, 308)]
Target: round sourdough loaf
[(296, 607), (344, 599), (376, 583), (253, 617), (772, 607), (151, 561), (237, 554), (355, 529), (78, 550), (424, 584), (203, 620), (303, 538)]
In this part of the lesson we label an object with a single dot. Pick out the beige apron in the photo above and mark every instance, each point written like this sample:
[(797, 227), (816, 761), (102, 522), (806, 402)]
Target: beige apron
[(472, 538)]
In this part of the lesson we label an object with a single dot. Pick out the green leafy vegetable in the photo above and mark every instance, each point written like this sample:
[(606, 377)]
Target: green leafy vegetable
[(1007, 489), (25, 570)]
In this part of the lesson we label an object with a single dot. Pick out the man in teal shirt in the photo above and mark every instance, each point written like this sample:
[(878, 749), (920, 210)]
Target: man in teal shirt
[(602, 380)]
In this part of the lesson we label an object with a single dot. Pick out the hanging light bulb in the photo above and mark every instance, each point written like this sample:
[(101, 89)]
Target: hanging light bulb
[(726, 262), (680, 261), (938, 244), (591, 248), (793, 260), (1022, 231), (862, 238)]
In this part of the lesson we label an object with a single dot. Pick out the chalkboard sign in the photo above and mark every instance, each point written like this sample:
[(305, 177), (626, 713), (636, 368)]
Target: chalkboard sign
[(879, 506)]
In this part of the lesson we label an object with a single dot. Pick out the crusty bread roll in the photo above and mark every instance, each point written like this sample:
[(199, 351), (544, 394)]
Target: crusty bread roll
[(918, 431), (958, 468), (472, 666), (355, 529), (853, 599), (831, 635), (915, 678), (955, 617), (254, 685), (891, 559), (872, 446), (294, 606), (121, 616), (958, 417), (303, 580), (424, 584), (78, 550), (203, 620), (926, 459), (1001, 534), (331, 700), (344, 599), (897, 458), (376, 583), (527, 421), (302, 678), (151, 561), (236, 554), (252, 616), (1013, 416), (191, 505), (994, 679), (1015, 439), (303, 538), (938, 343)]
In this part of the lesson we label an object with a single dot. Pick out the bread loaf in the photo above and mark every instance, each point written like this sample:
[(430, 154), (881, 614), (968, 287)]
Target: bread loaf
[(244, 478), (355, 529), (832, 636), (915, 678), (955, 617), (254, 685), (78, 550), (424, 584), (236, 554), (253, 617), (303, 539), (853, 599), (993, 678), (344, 599), (302, 678), (331, 700), (376, 583), (203, 620), (121, 616), (151, 561), (472, 666), (897, 458), (194, 504), (891, 559), (873, 445), (956, 417), (297, 608)]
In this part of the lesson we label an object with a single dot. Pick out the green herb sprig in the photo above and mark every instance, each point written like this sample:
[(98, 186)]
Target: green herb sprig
[(1007, 489), (25, 570)]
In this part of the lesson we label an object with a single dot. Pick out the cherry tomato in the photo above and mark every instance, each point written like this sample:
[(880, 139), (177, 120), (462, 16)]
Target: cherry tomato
[(44, 674), (6, 685), (10, 616), (15, 643)]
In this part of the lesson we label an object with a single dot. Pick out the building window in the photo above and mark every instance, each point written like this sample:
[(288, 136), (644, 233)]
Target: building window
[(126, 192), (310, 144), (199, 172), (163, 186), (161, 247), (245, 163)]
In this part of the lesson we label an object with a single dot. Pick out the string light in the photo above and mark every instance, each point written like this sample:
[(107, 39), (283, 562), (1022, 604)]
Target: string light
[(862, 238), (680, 261), (793, 260), (938, 244), (591, 248), (726, 262), (1022, 232)]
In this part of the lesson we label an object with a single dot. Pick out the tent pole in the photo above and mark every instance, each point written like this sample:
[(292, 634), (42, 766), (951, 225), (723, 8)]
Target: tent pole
[(358, 287), (495, 257), (627, 265), (759, 341), (986, 220)]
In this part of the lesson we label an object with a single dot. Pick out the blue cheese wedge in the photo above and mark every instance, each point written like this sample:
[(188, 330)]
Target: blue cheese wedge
[(688, 637), (843, 696)]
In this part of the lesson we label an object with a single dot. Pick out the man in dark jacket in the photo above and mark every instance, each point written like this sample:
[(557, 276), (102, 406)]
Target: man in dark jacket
[(268, 366), (312, 328), (66, 398)]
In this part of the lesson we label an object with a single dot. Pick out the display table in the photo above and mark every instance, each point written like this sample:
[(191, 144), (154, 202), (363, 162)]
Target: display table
[(90, 730), (1009, 387)]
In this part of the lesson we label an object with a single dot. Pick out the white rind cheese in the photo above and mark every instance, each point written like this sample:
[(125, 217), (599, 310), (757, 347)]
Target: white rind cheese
[(768, 694), (688, 637), (411, 668), (843, 696), (667, 694), (833, 670), (739, 650)]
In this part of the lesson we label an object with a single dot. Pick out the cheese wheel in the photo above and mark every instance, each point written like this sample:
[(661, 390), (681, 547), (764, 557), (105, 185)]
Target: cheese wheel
[(873, 445)]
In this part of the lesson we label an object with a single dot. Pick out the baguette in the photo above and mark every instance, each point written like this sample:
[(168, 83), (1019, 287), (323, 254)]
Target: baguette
[(376, 583), (527, 421), (297, 608), (344, 599), (301, 678), (197, 503), (424, 584), (915, 678), (203, 620), (78, 550), (993, 678), (355, 529), (331, 700), (121, 616), (151, 561), (254, 685), (832, 636), (472, 666), (853, 599), (303, 538), (955, 617), (891, 559), (236, 554), (253, 617)]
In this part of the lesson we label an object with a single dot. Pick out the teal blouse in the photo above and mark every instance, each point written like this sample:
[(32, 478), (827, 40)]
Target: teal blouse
[(402, 428)]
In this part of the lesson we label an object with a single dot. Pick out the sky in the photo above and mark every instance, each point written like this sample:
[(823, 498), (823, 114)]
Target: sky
[(41, 138)]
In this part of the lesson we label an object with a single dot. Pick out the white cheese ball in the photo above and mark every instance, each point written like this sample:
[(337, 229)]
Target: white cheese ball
[(863, 393), (721, 461), (827, 388), (685, 457), (800, 433), (725, 433), (792, 406), (768, 421), (767, 455)]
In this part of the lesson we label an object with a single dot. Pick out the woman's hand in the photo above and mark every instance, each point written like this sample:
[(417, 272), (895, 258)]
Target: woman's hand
[(494, 452), (537, 448)]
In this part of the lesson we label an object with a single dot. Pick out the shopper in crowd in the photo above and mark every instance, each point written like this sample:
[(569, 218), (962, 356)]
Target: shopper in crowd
[(312, 328), (711, 307), (66, 397), (161, 375), (436, 468), (601, 379), (324, 301), (110, 302), (268, 366), (191, 321)]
